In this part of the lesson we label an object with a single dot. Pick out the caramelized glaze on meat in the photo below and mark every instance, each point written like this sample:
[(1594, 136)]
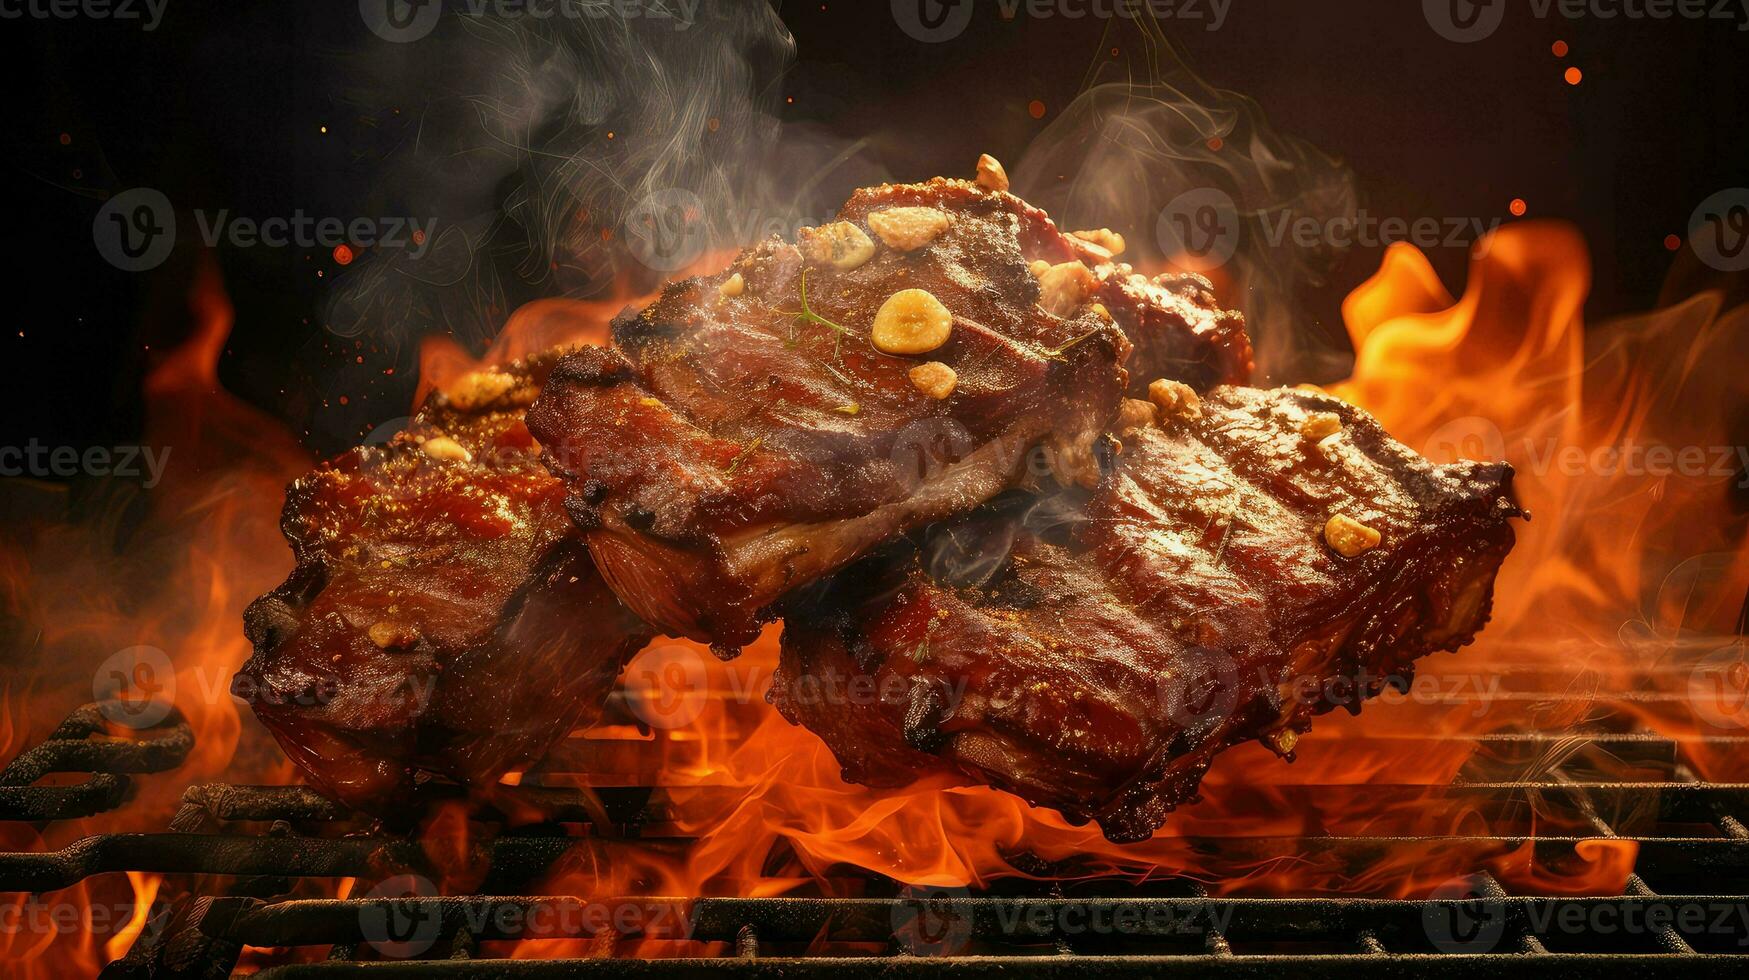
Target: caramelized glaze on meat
[(729, 450), (443, 616), (1093, 653), (1178, 329)]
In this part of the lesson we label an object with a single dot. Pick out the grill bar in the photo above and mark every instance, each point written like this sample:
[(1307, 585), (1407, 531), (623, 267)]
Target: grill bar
[(1200, 930), (526, 857), (1409, 967), (1685, 834), (83, 743), (236, 854), (1391, 922)]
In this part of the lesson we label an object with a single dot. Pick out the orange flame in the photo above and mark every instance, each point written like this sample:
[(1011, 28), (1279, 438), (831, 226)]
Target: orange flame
[(174, 583), (145, 891)]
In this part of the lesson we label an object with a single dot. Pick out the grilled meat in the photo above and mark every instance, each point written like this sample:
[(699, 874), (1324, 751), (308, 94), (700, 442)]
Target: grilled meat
[(1246, 564), (1178, 329), (444, 617), (754, 430)]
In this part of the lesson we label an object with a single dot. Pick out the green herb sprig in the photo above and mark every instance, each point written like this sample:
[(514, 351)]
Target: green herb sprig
[(807, 315), (1056, 353)]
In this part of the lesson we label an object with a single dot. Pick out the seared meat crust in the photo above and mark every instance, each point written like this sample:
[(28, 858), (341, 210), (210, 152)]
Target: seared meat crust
[(729, 449), (1178, 329), (444, 616), (1117, 641)]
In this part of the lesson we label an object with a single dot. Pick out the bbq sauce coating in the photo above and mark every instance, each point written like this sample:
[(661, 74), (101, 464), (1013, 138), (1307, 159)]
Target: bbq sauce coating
[(740, 441), (1119, 640), (444, 617)]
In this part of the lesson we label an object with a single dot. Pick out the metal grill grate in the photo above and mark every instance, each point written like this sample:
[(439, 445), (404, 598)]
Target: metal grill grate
[(1685, 907)]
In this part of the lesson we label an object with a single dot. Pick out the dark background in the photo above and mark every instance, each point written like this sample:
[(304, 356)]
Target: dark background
[(222, 106)]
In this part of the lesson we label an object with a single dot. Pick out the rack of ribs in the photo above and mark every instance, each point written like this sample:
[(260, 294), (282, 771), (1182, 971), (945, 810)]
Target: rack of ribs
[(1093, 651), (444, 617), (754, 430)]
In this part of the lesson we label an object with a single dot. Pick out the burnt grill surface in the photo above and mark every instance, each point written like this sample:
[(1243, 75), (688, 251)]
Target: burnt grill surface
[(243, 846)]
